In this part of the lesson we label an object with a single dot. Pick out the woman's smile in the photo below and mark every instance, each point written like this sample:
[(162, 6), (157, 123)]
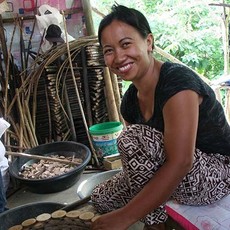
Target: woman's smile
[(124, 69)]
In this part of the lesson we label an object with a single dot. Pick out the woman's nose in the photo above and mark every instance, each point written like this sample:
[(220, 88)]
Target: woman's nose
[(119, 56)]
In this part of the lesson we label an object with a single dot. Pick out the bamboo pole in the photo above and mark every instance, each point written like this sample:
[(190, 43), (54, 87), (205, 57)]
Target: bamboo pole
[(117, 94), (111, 103), (116, 89), (88, 17)]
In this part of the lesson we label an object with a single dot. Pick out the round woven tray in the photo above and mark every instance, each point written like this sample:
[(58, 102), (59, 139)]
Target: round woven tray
[(79, 219)]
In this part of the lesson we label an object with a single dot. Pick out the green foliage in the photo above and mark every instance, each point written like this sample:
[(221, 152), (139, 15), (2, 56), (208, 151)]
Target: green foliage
[(189, 30)]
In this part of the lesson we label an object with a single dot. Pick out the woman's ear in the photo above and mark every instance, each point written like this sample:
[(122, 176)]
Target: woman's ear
[(150, 42)]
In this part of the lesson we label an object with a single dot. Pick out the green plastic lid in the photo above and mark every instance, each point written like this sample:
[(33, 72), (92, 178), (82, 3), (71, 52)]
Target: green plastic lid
[(106, 128)]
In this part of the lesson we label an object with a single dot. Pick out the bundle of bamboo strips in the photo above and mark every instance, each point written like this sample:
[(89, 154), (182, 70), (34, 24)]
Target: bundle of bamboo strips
[(25, 99), (43, 85), (52, 97)]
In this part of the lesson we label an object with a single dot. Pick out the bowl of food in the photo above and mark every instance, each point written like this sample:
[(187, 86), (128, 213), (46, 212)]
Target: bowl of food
[(41, 176)]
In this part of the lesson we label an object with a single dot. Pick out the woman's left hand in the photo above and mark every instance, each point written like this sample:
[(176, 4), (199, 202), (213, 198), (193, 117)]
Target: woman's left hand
[(111, 221)]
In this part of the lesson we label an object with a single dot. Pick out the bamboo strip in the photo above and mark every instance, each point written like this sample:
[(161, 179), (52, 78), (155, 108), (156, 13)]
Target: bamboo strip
[(86, 87), (30, 126), (48, 115), (29, 88), (74, 136), (21, 120), (39, 157)]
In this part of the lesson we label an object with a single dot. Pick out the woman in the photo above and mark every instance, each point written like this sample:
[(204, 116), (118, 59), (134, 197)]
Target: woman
[(177, 139)]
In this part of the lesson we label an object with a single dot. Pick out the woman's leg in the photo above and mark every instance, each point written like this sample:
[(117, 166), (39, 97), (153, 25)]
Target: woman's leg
[(207, 182), (141, 150), (142, 154), (110, 194)]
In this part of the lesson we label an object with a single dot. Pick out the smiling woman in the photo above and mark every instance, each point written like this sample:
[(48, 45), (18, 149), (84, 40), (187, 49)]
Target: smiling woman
[(174, 124)]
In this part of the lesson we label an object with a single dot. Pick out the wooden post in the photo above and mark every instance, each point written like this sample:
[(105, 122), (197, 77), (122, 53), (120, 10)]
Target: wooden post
[(87, 9)]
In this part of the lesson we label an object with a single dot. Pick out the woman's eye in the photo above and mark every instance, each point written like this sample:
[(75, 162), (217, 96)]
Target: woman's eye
[(126, 44), (107, 51)]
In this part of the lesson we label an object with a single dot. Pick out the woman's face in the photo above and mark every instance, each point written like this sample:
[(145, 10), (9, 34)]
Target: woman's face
[(126, 53)]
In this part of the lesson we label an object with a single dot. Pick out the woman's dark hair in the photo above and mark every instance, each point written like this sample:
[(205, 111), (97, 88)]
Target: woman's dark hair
[(127, 15)]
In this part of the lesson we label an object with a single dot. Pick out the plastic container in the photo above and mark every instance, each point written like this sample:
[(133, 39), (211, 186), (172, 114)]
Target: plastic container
[(104, 137)]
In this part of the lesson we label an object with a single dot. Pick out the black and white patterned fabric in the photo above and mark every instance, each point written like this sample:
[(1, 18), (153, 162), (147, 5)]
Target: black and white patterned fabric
[(142, 153)]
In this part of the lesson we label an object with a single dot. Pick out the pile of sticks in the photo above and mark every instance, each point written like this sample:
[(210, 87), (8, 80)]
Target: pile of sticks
[(56, 95), (45, 108)]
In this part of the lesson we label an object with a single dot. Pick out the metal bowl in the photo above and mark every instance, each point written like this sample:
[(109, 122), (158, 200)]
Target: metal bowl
[(17, 215), (86, 187), (57, 183)]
